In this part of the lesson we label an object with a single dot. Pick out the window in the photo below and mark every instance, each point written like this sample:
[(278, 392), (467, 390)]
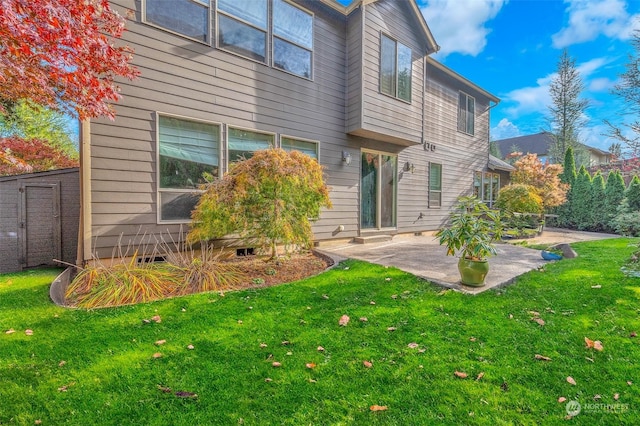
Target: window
[(306, 147), (187, 17), (486, 187), (395, 69), (242, 28), (187, 149), (435, 185), (292, 39), (466, 113), (243, 143)]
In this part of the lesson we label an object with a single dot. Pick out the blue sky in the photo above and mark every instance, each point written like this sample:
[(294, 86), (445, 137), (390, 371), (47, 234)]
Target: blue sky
[(511, 48)]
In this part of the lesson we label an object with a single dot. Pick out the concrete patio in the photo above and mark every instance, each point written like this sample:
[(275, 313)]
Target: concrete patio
[(424, 257)]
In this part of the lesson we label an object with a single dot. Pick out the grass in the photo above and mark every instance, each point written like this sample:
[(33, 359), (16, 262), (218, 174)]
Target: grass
[(109, 374)]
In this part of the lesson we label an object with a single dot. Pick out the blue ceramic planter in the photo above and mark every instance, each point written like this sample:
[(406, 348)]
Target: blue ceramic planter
[(547, 255)]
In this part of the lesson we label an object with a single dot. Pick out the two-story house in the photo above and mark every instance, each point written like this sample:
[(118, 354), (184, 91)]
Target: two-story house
[(400, 135)]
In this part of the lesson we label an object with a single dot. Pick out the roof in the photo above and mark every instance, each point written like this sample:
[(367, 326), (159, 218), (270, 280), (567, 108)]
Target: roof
[(451, 73), (347, 6), (536, 144), (497, 164)]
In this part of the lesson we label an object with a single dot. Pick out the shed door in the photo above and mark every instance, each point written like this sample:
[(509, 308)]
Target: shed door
[(39, 224)]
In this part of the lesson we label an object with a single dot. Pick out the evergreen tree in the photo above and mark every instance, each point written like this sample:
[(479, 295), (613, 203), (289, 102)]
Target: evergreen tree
[(569, 173), (581, 203), (567, 176), (614, 193), (599, 217), (632, 195), (566, 112)]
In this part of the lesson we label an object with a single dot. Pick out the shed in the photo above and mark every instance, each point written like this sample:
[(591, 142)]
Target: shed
[(39, 217)]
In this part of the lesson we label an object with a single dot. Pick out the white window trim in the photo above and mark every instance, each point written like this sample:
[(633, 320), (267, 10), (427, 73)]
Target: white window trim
[(143, 19), (466, 130), (395, 40), (248, 129), (159, 114), (317, 142), (313, 42)]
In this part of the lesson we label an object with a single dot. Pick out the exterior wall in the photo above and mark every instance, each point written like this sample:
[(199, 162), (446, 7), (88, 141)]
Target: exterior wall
[(186, 78), (383, 117), (68, 180)]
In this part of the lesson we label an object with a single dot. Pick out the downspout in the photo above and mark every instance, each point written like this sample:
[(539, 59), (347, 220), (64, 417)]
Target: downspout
[(84, 226), (488, 111)]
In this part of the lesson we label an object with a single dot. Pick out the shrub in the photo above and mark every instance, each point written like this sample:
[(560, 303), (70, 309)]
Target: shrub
[(581, 201), (627, 224), (268, 199), (599, 214), (519, 198), (614, 193), (632, 194)]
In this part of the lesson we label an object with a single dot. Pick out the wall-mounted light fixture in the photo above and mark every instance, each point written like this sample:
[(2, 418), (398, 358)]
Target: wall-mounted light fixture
[(346, 157), (408, 167)]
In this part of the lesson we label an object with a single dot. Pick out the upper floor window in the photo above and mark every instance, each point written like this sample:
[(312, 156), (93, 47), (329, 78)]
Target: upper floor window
[(395, 69), (187, 17), (306, 147), (242, 27), (466, 113), (292, 38), (187, 149)]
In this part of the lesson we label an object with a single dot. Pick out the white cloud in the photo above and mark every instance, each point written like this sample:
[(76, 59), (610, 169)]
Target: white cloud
[(601, 85), (590, 18), (459, 25), (504, 130)]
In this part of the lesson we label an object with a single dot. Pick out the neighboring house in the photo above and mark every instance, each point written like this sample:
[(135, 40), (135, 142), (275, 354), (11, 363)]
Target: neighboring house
[(400, 135), (539, 144)]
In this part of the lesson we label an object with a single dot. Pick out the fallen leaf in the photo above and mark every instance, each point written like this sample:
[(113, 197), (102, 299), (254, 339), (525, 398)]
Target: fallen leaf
[(597, 345), (588, 342), (413, 345), (504, 386), (510, 316), (239, 321), (364, 319), (183, 310), (313, 381), (325, 297), (472, 339), (285, 342), (633, 334), (268, 380), (37, 422), (160, 342), (157, 355), (542, 357), (276, 364), (320, 349), (596, 286), (629, 382), (190, 347), (538, 320), (616, 396), (10, 331), (391, 329), (184, 394), (146, 321), (534, 313), (156, 318), (480, 376), (65, 387), (421, 351), (394, 296), (289, 353), (460, 374), (62, 363), (562, 399), (571, 380), (310, 365), (164, 389), (597, 397), (372, 303), (344, 320), (263, 345), (28, 332), (378, 408), (588, 359), (367, 364)]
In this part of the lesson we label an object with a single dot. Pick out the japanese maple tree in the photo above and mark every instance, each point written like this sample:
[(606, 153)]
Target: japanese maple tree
[(61, 54), (545, 178), (19, 156)]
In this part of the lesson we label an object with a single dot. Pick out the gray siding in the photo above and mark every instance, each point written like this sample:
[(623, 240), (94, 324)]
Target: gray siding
[(68, 181), (337, 108)]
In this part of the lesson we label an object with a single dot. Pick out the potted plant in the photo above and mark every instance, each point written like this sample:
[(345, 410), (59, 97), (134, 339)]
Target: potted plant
[(472, 230)]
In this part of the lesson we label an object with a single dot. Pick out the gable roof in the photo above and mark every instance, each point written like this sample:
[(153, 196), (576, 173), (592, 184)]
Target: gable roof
[(451, 73), (345, 10)]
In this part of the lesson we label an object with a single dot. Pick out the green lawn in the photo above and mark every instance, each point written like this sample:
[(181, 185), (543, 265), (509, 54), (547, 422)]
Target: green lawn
[(97, 367)]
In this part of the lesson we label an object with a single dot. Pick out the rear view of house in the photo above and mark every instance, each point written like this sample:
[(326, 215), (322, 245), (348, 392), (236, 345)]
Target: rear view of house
[(400, 135)]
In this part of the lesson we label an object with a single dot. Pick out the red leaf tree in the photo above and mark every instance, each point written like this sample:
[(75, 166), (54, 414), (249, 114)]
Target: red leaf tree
[(61, 54), (18, 156)]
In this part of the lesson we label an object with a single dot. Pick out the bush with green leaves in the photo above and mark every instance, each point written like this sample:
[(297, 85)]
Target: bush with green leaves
[(627, 224), (266, 200), (632, 195), (519, 198)]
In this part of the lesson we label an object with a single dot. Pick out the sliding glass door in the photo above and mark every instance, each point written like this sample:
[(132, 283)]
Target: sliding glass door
[(378, 186)]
